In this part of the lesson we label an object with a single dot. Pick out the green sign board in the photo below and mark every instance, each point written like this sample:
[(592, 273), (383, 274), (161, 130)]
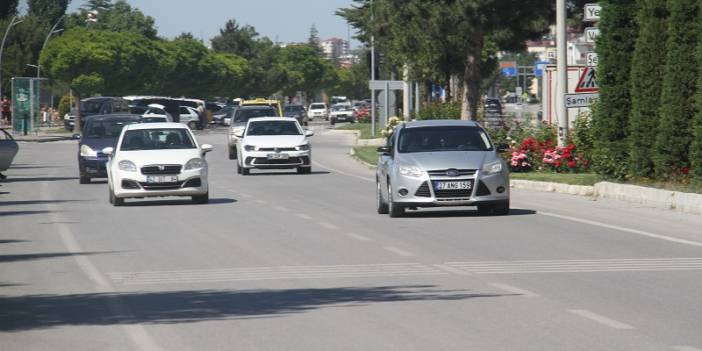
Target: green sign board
[(25, 105)]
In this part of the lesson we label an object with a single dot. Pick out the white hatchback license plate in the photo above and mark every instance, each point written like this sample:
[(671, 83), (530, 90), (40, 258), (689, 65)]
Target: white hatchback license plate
[(278, 156), (466, 185), (161, 179)]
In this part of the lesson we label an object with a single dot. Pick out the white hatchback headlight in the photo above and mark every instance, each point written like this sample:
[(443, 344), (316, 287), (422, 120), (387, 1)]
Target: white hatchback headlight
[(492, 167), (86, 151), (127, 166), (195, 163), (411, 171)]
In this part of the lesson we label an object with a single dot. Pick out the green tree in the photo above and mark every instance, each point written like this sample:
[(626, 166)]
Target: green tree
[(302, 68), (615, 48), (114, 17), (8, 8), (97, 5), (646, 83), (239, 40), (314, 41), (48, 11), (21, 48), (671, 156)]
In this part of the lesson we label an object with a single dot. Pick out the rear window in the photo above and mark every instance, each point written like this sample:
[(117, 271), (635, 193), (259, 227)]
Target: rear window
[(317, 106), (111, 128), (244, 115)]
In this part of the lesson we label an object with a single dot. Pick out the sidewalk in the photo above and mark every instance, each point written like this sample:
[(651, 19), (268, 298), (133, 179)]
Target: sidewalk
[(45, 134)]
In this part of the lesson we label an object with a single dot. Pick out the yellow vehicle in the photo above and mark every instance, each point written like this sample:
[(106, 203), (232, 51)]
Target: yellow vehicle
[(264, 102)]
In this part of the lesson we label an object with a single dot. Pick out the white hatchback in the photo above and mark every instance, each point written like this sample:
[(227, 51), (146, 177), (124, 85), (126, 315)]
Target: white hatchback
[(157, 160)]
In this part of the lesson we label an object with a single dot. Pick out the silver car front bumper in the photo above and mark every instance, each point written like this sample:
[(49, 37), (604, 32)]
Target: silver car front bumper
[(422, 192)]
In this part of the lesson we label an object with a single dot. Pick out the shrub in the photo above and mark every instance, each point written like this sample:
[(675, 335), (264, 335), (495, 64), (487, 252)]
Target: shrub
[(64, 105), (438, 110)]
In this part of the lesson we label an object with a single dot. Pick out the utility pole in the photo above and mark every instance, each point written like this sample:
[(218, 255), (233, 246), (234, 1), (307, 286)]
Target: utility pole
[(562, 75), (372, 72), (2, 45), (48, 36)]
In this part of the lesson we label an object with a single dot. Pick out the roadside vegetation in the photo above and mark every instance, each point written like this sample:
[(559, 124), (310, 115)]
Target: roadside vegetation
[(364, 128)]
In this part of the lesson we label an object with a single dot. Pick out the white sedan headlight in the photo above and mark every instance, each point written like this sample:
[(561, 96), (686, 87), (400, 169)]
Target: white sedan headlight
[(195, 163), (249, 148), (86, 151), (127, 166), (303, 147), (411, 171), (492, 167)]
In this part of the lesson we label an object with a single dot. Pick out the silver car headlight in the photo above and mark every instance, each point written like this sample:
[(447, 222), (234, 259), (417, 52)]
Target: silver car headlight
[(249, 148), (303, 147), (411, 171), (492, 167), (86, 151), (195, 163), (127, 166)]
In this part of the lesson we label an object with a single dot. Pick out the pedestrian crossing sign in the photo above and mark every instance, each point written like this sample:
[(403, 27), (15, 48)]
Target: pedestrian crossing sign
[(587, 82)]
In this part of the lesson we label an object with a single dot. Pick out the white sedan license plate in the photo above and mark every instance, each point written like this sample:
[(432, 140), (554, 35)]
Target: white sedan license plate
[(278, 156), (161, 179), (465, 185)]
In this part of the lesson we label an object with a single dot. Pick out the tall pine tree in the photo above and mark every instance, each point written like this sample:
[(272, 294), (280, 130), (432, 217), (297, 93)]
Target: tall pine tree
[(696, 146), (671, 156), (611, 117), (646, 84)]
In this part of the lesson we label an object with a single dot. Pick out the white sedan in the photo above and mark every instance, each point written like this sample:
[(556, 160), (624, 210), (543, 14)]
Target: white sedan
[(157, 160), (274, 143)]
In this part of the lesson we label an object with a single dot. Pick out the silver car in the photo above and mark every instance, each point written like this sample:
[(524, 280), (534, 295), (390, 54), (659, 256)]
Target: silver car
[(441, 163)]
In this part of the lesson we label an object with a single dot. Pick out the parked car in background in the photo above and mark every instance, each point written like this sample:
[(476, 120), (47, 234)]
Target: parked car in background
[(157, 160), (8, 150), (224, 115), (342, 112), (242, 115), (156, 113), (264, 102), (493, 106), (296, 111), (441, 163), (95, 106), (274, 143), (100, 132), (318, 109)]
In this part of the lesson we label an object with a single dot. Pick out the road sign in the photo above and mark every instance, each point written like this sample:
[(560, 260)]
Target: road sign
[(508, 68), (591, 34), (539, 67), (587, 82), (382, 84), (580, 100), (592, 12), (592, 59)]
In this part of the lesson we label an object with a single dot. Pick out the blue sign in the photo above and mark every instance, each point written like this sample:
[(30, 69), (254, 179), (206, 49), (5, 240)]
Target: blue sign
[(509, 71), (539, 68)]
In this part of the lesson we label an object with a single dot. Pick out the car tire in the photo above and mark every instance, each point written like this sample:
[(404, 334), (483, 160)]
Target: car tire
[(394, 210), (238, 168), (201, 199), (304, 170), (84, 180), (114, 200), (245, 171), (193, 125), (232, 153), (381, 205), (333, 121)]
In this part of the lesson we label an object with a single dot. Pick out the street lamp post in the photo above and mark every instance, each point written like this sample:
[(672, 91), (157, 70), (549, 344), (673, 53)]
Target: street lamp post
[(48, 36), (372, 73), (2, 46), (562, 75)]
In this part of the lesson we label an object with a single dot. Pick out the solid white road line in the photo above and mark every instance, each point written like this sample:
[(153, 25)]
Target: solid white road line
[(450, 269), (262, 202), (398, 251), (685, 348), (623, 229), (328, 225), (514, 290), (358, 237), (303, 216), (602, 319), (246, 195), (342, 172)]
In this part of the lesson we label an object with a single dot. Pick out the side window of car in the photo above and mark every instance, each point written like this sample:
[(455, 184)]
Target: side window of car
[(184, 111)]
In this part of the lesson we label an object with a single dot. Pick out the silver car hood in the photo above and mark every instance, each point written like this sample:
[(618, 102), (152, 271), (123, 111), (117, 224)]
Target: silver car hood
[(446, 159)]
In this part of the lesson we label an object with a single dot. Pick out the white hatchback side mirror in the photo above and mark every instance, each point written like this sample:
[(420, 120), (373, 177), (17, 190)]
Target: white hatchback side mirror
[(206, 148), (109, 151), (239, 134), (309, 133)]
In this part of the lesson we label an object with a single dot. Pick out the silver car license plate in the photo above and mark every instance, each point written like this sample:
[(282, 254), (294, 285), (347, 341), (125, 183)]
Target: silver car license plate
[(161, 179), (462, 185), (278, 156)]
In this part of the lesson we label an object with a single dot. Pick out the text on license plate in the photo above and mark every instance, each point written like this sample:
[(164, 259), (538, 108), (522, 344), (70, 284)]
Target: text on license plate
[(161, 179), (278, 156), (465, 185)]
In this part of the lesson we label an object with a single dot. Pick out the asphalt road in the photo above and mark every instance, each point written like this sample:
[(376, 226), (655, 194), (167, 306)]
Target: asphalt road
[(279, 261)]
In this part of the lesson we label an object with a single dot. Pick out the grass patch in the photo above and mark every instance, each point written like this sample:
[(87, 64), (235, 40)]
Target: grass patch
[(364, 128), (567, 178), (368, 154)]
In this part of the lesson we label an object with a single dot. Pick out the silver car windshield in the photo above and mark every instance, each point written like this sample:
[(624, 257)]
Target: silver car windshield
[(445, 138)]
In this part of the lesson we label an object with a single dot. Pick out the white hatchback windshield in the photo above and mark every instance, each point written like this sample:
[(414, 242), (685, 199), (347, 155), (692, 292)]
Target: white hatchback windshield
[(273, 128)]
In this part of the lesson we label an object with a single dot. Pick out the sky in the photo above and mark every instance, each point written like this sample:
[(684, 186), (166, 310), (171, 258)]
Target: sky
[(288, 20)]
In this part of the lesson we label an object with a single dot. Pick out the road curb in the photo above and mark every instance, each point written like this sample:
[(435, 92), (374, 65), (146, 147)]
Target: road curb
[(561, 188), (352, 153)]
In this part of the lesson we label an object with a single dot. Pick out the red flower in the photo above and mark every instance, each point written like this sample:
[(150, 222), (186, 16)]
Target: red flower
[(685, 171), (557, 163), (572, 164)]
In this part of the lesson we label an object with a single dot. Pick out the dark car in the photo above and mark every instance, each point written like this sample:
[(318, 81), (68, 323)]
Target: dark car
[(224, 113), (100, 132), (8, 150), (296, 111), (94, 106), (493, 106)]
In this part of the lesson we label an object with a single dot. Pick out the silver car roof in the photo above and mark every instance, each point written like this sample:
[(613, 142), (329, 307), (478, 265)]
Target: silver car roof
[(442, 123)]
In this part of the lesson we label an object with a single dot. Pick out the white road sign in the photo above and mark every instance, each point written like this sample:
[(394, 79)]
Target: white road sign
[(592, 12), (592, 59), (580, 100), (588, 81), (591, 33)]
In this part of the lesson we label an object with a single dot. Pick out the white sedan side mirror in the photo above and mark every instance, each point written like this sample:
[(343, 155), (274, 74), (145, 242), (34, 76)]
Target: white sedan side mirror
[(309, 133), (239, 134), (206, 148), (109, 151)]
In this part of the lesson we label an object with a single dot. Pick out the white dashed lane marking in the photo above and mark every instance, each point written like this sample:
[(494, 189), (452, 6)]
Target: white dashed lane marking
[(398, 251), (602, 319), (303, 216), (359, 237), (328, 225), (514, 290), (685, 348), (281, 208)]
